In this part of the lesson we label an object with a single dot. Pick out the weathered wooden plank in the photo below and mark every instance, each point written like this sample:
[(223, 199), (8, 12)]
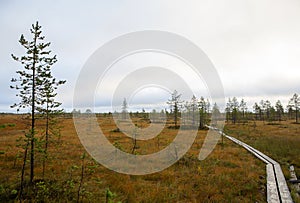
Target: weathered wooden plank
[(283, 188), (249, 148), (264, 156), (272, 192)]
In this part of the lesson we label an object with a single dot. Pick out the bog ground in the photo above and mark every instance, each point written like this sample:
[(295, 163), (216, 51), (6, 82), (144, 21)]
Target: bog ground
[(229, 174)]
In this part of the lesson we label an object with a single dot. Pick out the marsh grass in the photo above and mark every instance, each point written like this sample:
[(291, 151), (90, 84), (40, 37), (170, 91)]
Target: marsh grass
[(281, 142), (229, 174)]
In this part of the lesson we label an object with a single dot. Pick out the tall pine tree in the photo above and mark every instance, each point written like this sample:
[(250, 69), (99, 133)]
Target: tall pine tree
[(34, 82)]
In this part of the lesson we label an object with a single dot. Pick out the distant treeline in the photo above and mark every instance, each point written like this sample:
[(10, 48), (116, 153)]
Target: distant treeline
[(236, 111)]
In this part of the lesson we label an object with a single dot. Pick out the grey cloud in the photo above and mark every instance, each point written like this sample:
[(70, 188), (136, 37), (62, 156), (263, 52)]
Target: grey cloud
[(248, 41)]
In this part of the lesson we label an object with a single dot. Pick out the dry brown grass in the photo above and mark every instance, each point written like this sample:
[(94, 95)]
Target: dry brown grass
[(229, 174)]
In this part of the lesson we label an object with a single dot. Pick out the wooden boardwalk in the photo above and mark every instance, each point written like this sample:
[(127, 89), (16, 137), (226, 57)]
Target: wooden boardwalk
[(277, 189)]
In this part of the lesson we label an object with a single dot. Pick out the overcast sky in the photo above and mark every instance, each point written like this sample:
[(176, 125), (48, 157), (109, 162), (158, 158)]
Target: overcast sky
[(253, 44)]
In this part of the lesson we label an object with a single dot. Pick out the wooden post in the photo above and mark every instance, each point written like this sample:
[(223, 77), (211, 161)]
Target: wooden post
[(294, 180)]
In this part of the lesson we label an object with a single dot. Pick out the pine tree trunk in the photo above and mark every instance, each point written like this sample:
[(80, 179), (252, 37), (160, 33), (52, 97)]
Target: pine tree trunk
[(175, 115), (33, 113), (201, 120), (296, 115), (47, 139), (23, 171)]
